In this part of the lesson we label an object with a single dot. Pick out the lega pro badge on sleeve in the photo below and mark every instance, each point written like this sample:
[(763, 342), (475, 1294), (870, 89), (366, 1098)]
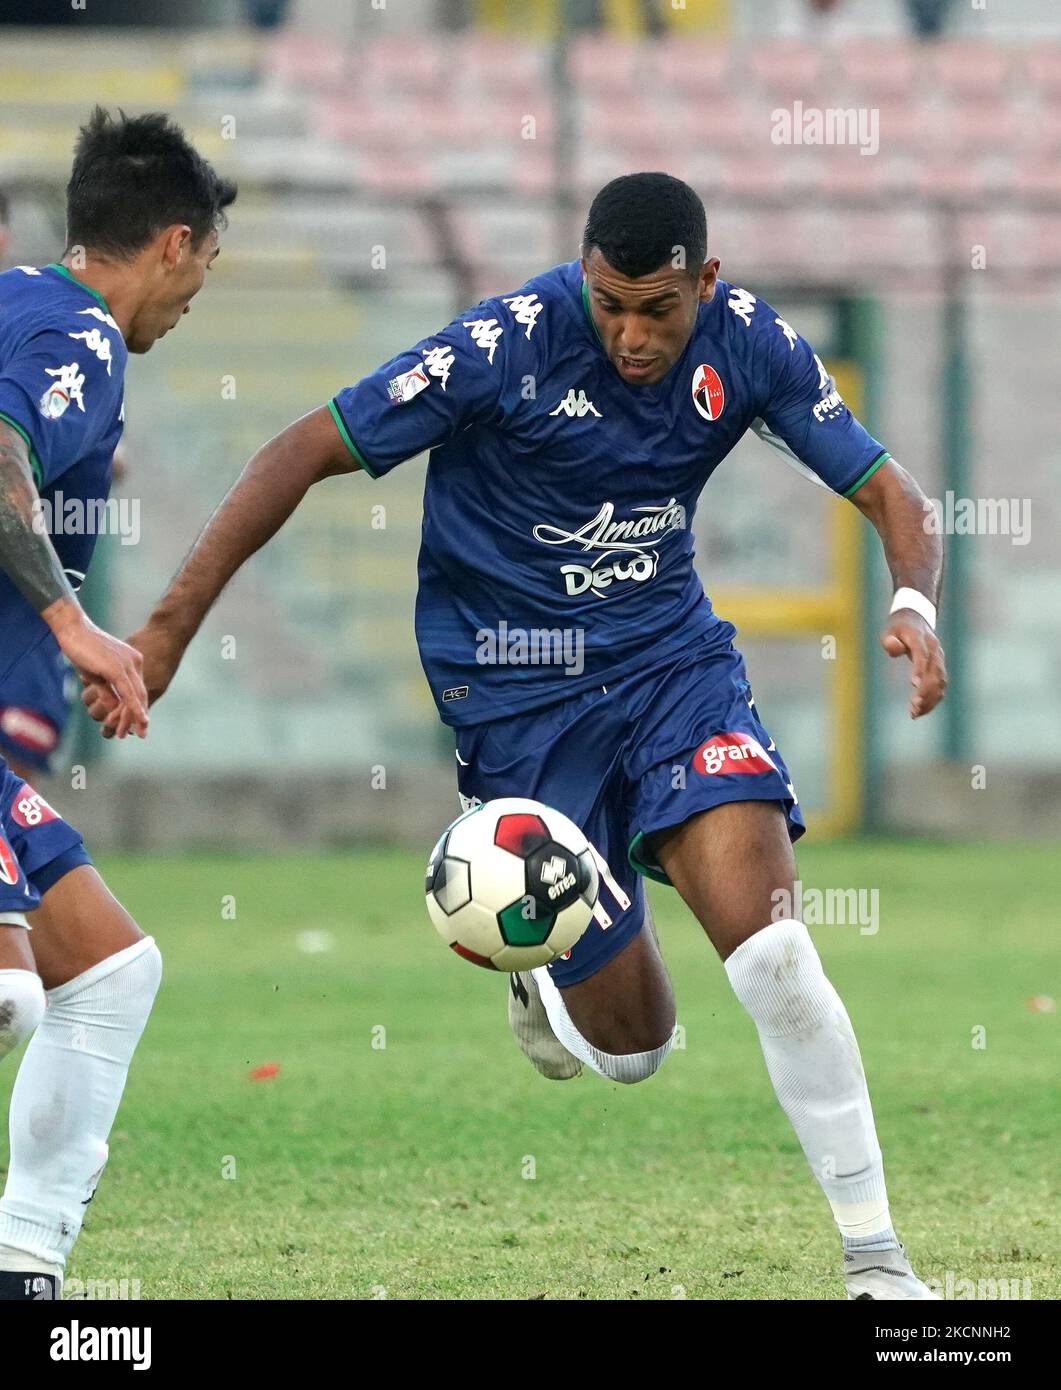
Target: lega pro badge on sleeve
[(409, 384), (61, 392)]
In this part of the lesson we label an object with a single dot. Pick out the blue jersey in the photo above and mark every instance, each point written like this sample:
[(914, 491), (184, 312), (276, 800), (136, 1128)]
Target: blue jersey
[(62, 374), (557, 549)]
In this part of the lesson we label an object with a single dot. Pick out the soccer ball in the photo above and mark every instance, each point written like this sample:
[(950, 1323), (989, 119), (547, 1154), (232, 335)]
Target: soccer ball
[(511, 884)]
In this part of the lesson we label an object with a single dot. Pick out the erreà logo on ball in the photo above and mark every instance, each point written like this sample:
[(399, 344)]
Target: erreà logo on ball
[(708, 394)]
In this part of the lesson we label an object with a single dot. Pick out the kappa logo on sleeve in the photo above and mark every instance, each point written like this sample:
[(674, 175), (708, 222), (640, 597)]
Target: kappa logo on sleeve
[(96, 342), (485, 333), (724, 754), (439, 362), (743, 304), (525, 309)]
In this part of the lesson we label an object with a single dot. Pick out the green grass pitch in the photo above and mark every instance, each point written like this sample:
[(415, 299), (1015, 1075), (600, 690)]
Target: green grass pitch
[(440, 1165)]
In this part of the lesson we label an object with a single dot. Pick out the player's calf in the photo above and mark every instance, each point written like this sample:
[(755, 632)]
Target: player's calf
[(73, 1073)]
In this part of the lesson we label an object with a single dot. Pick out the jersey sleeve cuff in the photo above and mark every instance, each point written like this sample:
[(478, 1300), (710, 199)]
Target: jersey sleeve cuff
[(34, 461), (882, 457), (337, 416)]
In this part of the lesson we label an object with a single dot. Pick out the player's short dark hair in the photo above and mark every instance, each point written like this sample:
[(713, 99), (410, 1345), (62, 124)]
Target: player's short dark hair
[(637, 220), (135, 175)]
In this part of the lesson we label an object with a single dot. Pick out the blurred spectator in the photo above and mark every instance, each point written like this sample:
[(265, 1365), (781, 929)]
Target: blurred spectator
[(5, 228), (927, 17), (266, 14)]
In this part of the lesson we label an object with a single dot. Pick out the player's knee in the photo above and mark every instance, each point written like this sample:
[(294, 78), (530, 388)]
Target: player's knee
[(777, 975), (21, 1007)]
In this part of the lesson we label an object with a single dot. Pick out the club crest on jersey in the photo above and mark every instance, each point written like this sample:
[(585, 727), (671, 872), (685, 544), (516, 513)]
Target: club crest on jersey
[(406, 385), (709, 397)]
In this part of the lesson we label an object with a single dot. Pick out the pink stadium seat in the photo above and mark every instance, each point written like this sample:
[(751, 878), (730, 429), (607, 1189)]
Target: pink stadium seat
[(972, 125), (306, 60), (977, 70), (1042, 133), (609, 121), (765, 174), (1037, 179), (500, 63), (356, 121), (949, 180), (908, 126), (601, 63), (1044, 240), (850, 177), (531, 170), (788, 66), (1041, 69), (694, 65), (396, 62), (878, 69), (721, 122), (398, 173)]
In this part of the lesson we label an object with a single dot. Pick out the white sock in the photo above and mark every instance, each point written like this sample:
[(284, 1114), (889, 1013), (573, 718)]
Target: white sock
[(66, 1096), (627, 1067), (814, 1063), (21, 1007)]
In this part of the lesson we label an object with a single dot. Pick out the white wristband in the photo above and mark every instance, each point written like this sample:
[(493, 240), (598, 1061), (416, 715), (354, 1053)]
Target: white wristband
[(916, 601)]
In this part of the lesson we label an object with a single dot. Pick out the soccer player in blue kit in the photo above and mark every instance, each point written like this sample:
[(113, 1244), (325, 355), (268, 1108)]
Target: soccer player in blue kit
[(572, 425), (143, 214)]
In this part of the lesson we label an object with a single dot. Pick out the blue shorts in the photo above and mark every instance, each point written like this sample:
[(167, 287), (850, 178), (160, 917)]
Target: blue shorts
[(37, 847), (624, 760), (35, 699)]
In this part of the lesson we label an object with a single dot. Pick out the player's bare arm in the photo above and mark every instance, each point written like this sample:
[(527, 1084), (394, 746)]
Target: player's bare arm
[(28, 556), (262, 498), (895, 504)]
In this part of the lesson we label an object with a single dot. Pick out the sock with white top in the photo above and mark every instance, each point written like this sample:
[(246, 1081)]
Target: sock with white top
[(64, 1101), (815, 1066)]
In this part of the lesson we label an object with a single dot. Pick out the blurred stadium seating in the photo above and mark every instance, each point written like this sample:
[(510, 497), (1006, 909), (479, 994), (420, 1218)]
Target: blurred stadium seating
[(467, 159)]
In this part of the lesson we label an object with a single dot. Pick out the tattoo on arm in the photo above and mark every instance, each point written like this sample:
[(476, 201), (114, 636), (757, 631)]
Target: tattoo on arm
[(26, 551)]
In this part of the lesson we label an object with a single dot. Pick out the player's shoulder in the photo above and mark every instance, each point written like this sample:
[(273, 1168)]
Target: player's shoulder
[(539, 309), (752, 330), (39, 301), (742, 314)]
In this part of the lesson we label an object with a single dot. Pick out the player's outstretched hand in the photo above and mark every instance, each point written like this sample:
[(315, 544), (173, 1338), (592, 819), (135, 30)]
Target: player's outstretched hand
[(111, 666), (159, 656), (907, 632)]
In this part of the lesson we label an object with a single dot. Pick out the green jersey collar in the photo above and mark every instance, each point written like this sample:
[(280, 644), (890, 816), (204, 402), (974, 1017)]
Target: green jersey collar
[(589, 316), (54, 265)]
